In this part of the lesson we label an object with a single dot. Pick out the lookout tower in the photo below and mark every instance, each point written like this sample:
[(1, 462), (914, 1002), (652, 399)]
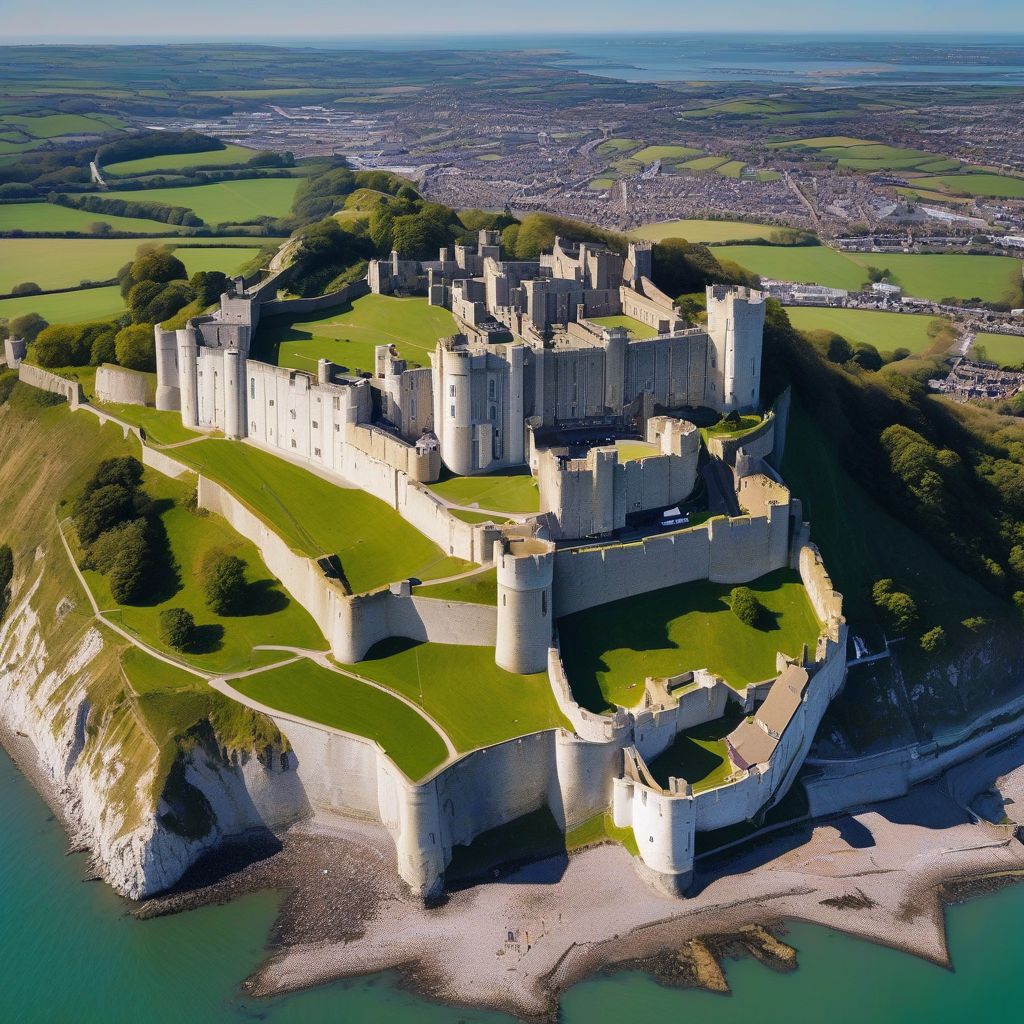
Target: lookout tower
[(526, 567)]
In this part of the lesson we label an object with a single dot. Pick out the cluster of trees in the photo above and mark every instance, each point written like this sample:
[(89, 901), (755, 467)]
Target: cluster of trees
[(145, 144), (93, 203), (113, 518), (49, 168), (681, 268), (224, 586), (953, 474), (836, 349), (6, 576), (747, 607)]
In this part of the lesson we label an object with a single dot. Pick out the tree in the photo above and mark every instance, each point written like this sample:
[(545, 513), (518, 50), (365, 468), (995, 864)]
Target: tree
[(98, 227), (224, 584), (177, 628), (208, 285), (899, 609), (26, 326), (934, 640), (102, 510), (104, 349), (53, 347), (26, 288), (867, 357), (135, 348), (132, 569), (747, 608)]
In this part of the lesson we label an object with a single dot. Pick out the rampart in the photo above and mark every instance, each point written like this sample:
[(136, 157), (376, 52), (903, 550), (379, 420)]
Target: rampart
[(125, 387), (276, 307), (37, 377), (757, 442)]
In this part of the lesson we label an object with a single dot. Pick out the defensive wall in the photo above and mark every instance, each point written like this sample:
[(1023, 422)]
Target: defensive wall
[(125, 387), (37, 377), (316, 303), (758, 442)]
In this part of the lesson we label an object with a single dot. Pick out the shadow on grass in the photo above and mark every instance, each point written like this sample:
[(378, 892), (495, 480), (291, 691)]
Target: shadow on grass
[(163, 580), (206, 639), (261, 597)]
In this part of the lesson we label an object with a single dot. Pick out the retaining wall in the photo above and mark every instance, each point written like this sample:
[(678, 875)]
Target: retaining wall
[(275, 307), (126, 387), (37, 377)]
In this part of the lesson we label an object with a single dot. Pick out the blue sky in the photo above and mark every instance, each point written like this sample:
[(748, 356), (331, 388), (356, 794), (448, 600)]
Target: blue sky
[(184, 18)]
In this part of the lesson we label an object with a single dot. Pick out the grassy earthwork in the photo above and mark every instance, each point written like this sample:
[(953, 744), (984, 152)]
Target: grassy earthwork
[(471, 698), (316, 517), (609, 650), (1004, 349), (308, 690), (884, 330), (224, 643), (636, 328), (347, 335), (510, 491), (480, 588)]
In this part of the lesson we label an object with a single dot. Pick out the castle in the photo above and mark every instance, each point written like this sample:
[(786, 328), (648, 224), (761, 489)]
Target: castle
[(530, 380)]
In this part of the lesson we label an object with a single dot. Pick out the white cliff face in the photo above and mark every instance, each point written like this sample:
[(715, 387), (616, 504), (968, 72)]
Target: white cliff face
[(102, 763)]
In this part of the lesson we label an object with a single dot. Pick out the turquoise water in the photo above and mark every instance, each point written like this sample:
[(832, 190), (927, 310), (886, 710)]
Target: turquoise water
[(68, 953)]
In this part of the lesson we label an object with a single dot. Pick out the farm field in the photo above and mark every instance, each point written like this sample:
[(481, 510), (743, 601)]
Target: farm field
[(472, 699), (991, 185), (66, 262), (348, 334), (609, 650), (316, 517), (310, 691), (502, 492), (53, 218), (865, 155), (703, 230), (1003, 349), (651, 153), (67, 307), (925, 276), (224, 202), (635, 327), (884, 330), (705, 163), (225, 643), (52, 126), (176, 161)]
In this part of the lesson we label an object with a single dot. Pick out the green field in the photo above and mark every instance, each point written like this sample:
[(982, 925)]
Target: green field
[(225, 642), (347, 335), (503, 492), (1004, 349), (705, 163), (224, 202), (997, 185), (612, 146), (52, 126), (609, 650), (703, 230), (374, 544), (49, 217), (652, 153), (176, 161), (480, 588), (308, 690), (67, 307), (630, 451), (884, 330), (159, 427), (923, 276), (464, 691), (66, 262), (635, 327), (865, 155)]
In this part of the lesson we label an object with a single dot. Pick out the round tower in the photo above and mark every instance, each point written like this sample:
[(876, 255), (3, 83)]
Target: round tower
[(168, 391), (735, 327), (234, 394), (526, 567), (188, 380), (456, 433)]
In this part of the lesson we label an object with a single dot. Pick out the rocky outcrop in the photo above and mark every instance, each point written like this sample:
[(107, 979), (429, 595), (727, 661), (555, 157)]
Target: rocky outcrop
[(62, 688)]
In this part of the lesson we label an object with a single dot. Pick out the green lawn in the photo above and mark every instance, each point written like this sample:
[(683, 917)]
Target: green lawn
[(635, 327), (478, 517), (67, 262), (224, 202), (609, 650), (630, 451), (705, 163), (998, 185), (67, 307), (884, 330), (309, 691), (52, 126), (462, 688), (725, 428), (617, 145), (699, 754), (316, 517), (509, 491), (480, 588), (1004, 349), (51, 217), (160, 427), (347, 335), (225, 642), (176, 161), (703, 230), (924, 276), (652, 153)]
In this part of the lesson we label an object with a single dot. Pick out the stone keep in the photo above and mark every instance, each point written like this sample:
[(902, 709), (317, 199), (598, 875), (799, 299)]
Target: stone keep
[(735, 327), (526, 568)]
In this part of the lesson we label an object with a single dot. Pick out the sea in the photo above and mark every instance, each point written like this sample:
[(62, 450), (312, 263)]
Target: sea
[(69, 953)]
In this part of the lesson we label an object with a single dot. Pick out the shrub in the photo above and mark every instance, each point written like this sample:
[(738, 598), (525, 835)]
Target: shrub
[(746, 607), (26, 326), (898, 609), (224, 584), (135, 348), (104, 349), (177, 628), (934, 640), (26, 288), (976, 623)]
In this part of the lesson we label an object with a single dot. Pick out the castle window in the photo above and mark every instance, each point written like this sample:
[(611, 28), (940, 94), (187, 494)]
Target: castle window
[(316, 452), (337, 428), (294, 445), (293, 413), (543, 602), (453, 412), (271, 403), (252, 429), (451, 390), (252, 387), (315, 424), (490, 389)]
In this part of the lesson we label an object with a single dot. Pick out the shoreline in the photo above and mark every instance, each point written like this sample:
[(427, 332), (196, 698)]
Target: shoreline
[(884, 873)]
